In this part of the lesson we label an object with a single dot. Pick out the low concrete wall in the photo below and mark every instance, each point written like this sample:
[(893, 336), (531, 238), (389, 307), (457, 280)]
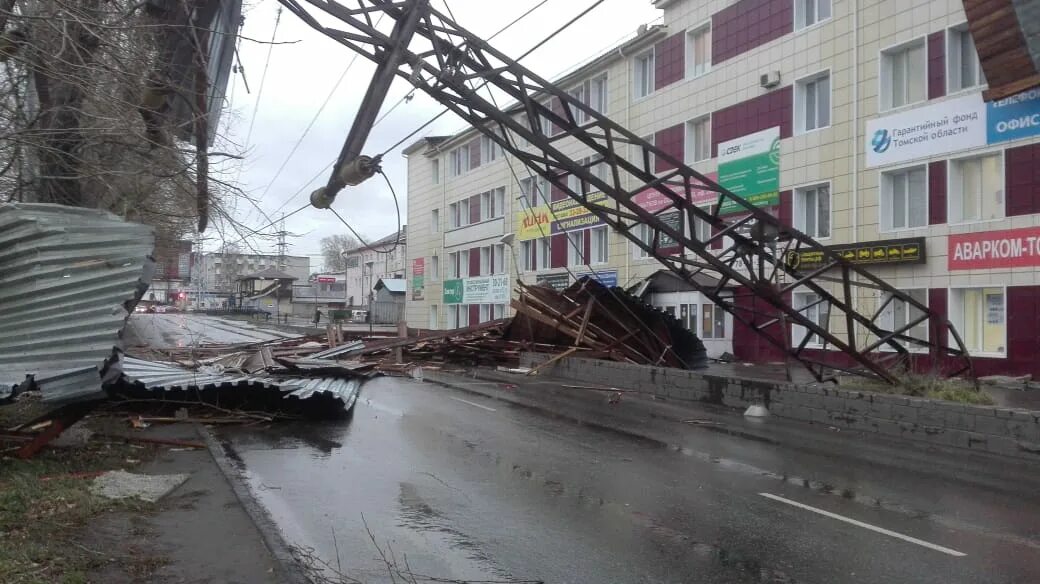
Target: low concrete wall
[(994, 429)]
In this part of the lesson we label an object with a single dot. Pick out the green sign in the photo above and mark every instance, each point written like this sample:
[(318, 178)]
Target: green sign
[(453, 291), (749, 167)]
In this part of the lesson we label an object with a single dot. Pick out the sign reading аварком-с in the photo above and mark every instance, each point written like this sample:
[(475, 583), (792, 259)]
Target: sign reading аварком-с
[(1007, 248)]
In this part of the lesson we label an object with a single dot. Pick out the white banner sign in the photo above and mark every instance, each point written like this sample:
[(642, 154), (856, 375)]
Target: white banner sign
[(949, 126), (486, 290)]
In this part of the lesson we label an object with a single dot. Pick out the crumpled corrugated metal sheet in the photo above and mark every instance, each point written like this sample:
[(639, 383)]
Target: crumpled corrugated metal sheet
[(168, 376), (67, 278)]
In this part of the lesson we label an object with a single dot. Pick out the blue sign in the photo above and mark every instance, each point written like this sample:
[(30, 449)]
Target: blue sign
[(605, 277), (1014, 117)]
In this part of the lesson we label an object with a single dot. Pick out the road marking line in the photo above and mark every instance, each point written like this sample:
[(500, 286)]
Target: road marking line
[(458, 399), (882, 530)]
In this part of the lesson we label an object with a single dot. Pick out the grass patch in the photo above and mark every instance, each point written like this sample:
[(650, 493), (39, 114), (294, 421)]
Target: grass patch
[(928, 386), (43, 511)]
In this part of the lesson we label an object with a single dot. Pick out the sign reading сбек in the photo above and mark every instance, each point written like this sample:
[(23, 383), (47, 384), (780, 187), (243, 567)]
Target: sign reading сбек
[(947, 126), (1009, 248)]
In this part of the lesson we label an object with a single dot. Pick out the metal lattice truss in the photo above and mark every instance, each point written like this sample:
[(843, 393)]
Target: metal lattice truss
[(452, 65)]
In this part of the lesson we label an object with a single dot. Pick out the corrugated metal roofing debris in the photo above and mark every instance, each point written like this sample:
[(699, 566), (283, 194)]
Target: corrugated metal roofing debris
[(168, 376), (340, 350), (67, 278)]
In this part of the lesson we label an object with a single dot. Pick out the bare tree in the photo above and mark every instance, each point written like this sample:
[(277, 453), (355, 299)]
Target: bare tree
[(332, 248)]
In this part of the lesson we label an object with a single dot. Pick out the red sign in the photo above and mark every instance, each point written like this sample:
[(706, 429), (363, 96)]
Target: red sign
[(326, 279), (653, 200), (419, 267), (1010, 248)]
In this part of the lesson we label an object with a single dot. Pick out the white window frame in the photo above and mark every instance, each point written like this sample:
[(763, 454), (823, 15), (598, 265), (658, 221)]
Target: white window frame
[(464, 264), (799, 211), (435, 268), (956, 317), (576, 248), (460, 159), (435, 220), (599, 252), (647, 59), (540, 194), (883, 199), (527, 248), (435, 170), (544, 253), (798, 332), (887, 318), (885, 93), (498, 311), (498, 258), (715, 310), (599, 100), (799, 14), (637, 154), (953, 65), (453, 216), (434, 318), (485, 261), (490, 150), (453, 265), (954, 184), (463, 209), (801, 89), (485, 313), (498, 199), (646, 235), (691, 151), (691, 71), (701, 229)]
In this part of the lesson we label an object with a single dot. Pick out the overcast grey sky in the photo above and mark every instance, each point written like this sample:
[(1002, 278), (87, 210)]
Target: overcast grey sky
[(301, 75)]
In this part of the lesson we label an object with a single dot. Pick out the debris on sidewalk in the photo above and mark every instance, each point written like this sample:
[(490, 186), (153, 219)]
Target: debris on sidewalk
[(118, 484)]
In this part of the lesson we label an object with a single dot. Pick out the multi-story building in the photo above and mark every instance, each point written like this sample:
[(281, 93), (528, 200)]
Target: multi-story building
[(383, 258), (218, 272), (174, 272), (885, 148)]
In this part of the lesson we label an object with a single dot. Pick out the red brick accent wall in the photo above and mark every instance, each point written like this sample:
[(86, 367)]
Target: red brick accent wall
[(765, 111), (937, 193), (558, 253), (474, 261), (671, 141), (474, 153), (669, 60), (785, 214), (747, 24), (474, 209), (936, 64), (474, 313), (1022, 180)]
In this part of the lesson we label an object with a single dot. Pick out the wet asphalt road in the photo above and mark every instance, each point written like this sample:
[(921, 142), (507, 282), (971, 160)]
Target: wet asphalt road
[(470, 488), (180, 329)]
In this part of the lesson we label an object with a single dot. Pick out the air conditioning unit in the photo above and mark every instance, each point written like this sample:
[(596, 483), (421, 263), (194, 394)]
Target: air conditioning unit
[(769, 80)]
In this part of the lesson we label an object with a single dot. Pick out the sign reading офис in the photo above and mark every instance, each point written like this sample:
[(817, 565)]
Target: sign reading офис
[(1013, 117), (1008, 248), (749, 167), (477, 290)]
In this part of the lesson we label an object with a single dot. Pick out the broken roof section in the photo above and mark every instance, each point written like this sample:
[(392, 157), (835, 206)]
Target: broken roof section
[(69, 278)]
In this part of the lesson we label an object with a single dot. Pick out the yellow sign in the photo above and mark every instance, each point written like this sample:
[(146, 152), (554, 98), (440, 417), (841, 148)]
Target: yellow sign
[(902, 251), (558, 217)]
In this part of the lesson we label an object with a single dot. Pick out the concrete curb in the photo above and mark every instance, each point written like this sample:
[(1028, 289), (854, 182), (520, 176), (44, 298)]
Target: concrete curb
[(289, 569)]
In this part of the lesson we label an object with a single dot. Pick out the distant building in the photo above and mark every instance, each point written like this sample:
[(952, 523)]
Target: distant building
[(218, 272), (366, 265), (269, 289), (174, 270)]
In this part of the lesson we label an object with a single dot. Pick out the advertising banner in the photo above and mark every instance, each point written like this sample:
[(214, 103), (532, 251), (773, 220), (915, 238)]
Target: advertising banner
[(418, 278), (452, 292), (948, 126), (554, 281), (1008, 248), (606, 277), (477, 290), (890, 251), (557, 217), (749, 167), (1014, 117), (653, 201)]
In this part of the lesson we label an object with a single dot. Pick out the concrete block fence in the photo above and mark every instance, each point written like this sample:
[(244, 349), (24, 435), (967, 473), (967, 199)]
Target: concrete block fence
[(997, 430)]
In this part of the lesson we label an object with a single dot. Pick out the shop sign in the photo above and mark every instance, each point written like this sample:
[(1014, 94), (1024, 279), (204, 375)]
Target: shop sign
[(652, 200), (452, 292), (326, 279), (1009, 248), (948, 126), (554, 281), (418, 278), (557, 217), (477, 290), (749, 167), (1013, 117), (889, 251), (606, 277)]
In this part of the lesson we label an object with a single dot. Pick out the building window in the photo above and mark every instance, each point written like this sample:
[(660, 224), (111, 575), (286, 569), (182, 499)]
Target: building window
[(534, 190), (435, 170), (453, 216), (597, 92), (599, 251), (713, 322), (701, 227), (544, 252), (459, 214), (977, 188), (493, 203), (485, 312), (899, 313), (435, 268), (433, 316), (435, 220), (546, 122), (698, 139), (812, 211), (646, 236), (904, 198), (453, 265), (489, 150), (816, 310), (698, 51), (813, 103), (644, 74), (576, 248), (485, 261), (460, 158), (810, 12), (979, 316), (463, 268), (963, 70), (527, 259), (499, 311), (903, 73), (640, 152), (498, 259)]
